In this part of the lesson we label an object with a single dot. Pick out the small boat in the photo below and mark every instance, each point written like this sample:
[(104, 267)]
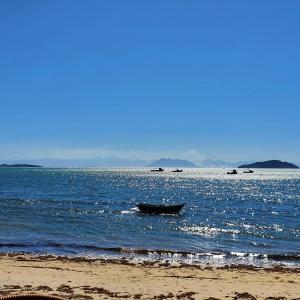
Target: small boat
[(249, 171), (160, 209), (233, 172), (158, 170), (177, 171)]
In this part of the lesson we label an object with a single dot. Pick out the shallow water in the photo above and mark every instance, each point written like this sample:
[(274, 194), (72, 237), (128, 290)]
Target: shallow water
[(244, 218)]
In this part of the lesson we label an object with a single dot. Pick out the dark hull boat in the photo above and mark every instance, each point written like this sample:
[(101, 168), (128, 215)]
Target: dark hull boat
[(177, 171), (249, 171), (160, 209), (158, 170), (233, 172)]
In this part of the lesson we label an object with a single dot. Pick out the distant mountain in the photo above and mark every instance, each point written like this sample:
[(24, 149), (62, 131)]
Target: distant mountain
[(86, 163), (271, 164), (208, 163), (169, 162), (19, 166)]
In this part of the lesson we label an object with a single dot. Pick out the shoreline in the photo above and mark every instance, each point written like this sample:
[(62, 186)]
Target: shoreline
[(24, 256), (172, 257), (86, 279)]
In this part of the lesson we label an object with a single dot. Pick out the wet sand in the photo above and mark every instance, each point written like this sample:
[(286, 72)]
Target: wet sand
[(98, 279)]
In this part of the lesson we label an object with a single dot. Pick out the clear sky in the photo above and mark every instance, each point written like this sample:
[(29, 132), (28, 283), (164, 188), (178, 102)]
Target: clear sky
[(193, 79)]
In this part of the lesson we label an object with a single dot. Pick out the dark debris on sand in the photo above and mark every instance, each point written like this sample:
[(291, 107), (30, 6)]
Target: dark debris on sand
[(244, 295), (186, 295), (100, 290), (182, 296), (64, 288), (43, 288), (162, 296), (276, 298)]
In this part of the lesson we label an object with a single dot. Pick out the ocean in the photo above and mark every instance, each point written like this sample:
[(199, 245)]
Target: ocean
[(227, 219)]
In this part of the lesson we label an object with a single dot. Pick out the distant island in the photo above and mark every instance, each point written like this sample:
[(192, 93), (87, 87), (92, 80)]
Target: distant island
[(271, 164), (169, 162), (19, 166)]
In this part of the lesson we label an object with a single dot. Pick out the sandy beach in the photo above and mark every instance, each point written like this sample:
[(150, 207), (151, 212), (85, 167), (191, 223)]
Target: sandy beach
[(98, 279)]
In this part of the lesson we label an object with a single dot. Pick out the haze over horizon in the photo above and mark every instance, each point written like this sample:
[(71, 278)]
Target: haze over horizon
[(144, 80)]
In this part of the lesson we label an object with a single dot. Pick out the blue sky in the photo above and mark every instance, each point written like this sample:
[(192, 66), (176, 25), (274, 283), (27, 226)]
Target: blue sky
[(189, 79)]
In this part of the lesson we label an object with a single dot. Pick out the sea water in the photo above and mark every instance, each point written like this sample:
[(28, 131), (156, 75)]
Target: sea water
[(244, 218)]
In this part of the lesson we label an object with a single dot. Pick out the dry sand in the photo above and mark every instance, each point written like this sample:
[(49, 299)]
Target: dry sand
[(97, 279)]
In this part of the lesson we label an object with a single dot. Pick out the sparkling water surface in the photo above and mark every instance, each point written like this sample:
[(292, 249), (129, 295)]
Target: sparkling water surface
[(246, 218)]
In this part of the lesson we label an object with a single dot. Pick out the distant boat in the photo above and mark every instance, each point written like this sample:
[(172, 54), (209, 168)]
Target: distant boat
[(249, 171), (158, 170), (177, 171), (160, 209), (233, 172)]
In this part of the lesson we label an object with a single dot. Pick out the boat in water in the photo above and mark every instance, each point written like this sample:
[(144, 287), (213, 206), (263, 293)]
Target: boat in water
[(249, 171), (158, 170), (153, 209), (233, 172), (177, 171)]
